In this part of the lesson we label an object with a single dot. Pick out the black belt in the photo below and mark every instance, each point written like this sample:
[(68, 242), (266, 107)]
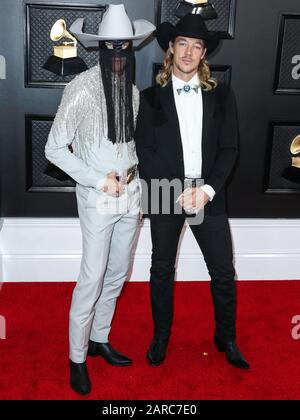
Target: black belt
[(192, 182)]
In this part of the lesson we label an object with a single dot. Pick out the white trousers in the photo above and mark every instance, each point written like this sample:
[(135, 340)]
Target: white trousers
[(108, 236)]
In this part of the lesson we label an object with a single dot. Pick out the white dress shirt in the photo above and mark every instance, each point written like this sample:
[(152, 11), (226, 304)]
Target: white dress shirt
[(189, 108)]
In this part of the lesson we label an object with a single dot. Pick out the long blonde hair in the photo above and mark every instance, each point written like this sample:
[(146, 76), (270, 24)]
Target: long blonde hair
[(204, 75)]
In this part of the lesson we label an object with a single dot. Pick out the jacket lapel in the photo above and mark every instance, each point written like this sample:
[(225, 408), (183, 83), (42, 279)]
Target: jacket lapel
[(167, 101), (208, 98), (167, 106)]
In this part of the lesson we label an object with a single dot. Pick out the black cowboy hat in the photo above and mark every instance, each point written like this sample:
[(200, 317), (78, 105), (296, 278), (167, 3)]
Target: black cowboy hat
[(191, 26)]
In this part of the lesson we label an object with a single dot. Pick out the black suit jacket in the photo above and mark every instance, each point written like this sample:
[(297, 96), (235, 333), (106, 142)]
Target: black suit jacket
[(159, 145)]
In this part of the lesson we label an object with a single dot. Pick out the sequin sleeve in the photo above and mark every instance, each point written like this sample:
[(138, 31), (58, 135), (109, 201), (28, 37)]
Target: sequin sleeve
[(68, 118), (136, 102)]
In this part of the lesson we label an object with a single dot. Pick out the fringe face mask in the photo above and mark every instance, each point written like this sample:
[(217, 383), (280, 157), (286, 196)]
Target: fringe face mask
[(117, 73)]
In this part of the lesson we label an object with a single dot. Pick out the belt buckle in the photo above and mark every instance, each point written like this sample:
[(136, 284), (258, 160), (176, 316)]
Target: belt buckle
[(190, 182), (131, 173)]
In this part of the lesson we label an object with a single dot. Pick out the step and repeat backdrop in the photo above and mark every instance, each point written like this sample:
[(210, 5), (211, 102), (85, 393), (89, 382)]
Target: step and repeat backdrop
[(259, 56)]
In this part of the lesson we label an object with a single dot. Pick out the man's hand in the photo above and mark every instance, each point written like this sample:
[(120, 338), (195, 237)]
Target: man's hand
[(112, 186), (193, 200), (141, 215)]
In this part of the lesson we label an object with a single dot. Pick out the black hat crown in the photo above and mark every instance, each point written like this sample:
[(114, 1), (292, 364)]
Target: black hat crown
[(191, 26)]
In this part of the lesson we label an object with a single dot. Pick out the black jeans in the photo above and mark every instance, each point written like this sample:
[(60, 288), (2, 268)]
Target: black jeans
[(214, 239)]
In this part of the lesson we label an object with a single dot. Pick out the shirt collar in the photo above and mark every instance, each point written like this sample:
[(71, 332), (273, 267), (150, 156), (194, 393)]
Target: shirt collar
[(178, 83)]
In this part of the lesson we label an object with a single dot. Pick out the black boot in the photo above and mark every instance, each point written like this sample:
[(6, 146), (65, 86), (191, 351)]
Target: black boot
[(233, 354), (156, 353), (111, 355), (79, 378)]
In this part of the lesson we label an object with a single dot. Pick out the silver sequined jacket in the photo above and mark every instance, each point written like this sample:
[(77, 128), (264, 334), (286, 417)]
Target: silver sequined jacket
[(81, 120)]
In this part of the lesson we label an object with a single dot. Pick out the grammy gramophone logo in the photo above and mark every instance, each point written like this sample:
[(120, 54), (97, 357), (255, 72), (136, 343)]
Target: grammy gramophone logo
[(292, 173), (64, 60), (198, 7)]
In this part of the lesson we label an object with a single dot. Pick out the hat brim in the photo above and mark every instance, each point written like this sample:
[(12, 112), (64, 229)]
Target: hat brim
[(142, 30), (166, 32)]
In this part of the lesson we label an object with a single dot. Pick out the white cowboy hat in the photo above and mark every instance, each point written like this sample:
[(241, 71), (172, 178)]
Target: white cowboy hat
[(115, 26)]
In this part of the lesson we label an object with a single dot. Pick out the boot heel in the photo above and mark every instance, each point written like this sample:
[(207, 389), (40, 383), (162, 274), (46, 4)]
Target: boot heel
[(92, 354), (221, 347), (92, 349)]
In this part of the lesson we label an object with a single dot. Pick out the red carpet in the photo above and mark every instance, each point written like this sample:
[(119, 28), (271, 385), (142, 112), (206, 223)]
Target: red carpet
[(34, 356)]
